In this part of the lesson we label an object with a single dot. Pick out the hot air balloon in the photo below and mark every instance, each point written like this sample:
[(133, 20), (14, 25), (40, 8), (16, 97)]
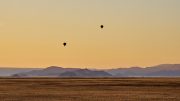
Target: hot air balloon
[(64, 44), (102, 26)]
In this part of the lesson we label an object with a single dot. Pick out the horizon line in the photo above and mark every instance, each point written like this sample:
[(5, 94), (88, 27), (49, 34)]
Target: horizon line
[(99, 68)]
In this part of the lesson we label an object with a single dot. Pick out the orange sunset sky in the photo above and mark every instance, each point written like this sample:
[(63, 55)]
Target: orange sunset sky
[(136, 33)]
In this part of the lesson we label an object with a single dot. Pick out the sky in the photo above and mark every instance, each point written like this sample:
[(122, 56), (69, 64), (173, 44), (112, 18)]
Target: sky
[(136, 33)]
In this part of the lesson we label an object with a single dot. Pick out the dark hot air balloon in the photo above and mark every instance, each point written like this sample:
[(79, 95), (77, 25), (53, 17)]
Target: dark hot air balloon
[(102, 26), (64, 44)]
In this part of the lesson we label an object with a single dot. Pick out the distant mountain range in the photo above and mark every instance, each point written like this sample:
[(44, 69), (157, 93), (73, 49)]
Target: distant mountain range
[(8, 71), (54, 71), (163, 70)]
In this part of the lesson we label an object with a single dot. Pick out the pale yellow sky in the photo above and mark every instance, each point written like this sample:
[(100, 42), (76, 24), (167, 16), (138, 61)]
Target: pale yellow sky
[(136, 33)]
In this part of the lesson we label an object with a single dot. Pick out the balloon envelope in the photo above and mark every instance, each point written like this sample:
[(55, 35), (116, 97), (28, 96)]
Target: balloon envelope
[(64, 43), (102, 26)]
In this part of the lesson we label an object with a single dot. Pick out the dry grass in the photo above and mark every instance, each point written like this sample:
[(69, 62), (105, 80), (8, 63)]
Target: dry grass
[(90, 89)]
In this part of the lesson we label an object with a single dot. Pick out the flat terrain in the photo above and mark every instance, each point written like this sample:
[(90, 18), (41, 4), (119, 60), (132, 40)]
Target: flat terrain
[(90, 89)]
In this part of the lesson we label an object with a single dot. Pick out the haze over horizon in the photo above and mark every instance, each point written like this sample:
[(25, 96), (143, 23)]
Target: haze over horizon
[(136, 33)]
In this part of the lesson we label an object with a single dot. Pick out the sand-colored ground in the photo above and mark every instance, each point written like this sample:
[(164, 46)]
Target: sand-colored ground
[(90, 89)]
